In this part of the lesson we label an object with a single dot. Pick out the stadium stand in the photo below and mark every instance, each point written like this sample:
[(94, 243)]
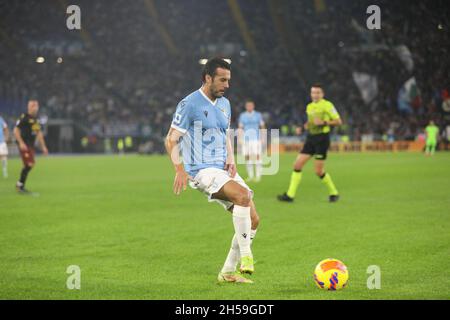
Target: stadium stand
[(125, 71)]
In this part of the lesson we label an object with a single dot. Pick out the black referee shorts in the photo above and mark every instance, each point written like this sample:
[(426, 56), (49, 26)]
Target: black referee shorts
[(317, 145)]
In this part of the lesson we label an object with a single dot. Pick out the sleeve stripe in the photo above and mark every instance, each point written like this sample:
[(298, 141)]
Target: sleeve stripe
[(183, 131)]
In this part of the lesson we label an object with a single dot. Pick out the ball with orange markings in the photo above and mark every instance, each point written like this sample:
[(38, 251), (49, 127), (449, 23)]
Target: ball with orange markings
[(331, 274)]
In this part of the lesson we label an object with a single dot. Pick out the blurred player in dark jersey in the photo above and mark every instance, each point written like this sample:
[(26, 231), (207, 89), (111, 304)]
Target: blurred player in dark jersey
[(27, 130)]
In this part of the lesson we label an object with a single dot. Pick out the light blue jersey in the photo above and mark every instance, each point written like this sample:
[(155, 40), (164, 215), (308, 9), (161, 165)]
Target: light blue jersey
[(204, 125), (3, 125), (251, 123)]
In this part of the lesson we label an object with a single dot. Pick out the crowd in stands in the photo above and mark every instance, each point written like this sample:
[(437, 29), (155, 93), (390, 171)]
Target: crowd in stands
[(119, 76)]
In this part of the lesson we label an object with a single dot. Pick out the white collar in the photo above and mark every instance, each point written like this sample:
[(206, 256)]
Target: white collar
[(206, 97)]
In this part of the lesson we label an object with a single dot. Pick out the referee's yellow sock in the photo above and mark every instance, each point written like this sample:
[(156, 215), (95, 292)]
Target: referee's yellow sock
[(326, 179), (296, 178)]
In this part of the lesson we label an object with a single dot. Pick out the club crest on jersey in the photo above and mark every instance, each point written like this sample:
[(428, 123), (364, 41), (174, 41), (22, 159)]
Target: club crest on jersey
[(223, 111), (205, 113)]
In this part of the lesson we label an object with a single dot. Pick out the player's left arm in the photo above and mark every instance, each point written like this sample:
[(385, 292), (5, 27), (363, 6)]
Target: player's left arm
[(230, 164), (40, 138), (262, 126), (5, 131), (334, 122), (335, 118)]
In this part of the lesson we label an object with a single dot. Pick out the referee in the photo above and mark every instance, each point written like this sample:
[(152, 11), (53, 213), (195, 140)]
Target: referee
[(322, 115)]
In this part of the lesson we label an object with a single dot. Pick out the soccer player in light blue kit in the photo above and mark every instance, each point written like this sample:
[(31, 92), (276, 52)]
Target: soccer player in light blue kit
[(200, 131), (4, 135), (249, 138)]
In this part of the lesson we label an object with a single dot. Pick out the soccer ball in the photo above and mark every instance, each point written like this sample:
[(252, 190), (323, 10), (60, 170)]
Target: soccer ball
[(331, 274)]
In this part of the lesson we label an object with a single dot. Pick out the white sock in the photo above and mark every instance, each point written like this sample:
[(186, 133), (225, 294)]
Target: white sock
[(250, 169), (234, 255), (252, 235), (242, 228), (5, 168)]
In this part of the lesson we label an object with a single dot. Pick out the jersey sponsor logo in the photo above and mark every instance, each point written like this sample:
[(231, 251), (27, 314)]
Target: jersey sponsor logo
[(35, 127)]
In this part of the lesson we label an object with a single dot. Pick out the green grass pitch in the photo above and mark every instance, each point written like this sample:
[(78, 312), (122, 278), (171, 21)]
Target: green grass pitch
[(118, 220)]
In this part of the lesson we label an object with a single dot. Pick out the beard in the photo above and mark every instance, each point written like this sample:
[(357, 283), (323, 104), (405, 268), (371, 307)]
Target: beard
[(217, 94)]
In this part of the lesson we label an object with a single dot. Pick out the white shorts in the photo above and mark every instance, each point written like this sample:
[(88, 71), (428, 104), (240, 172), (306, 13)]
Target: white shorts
[(252, 147), (211, 180), (3, 149)]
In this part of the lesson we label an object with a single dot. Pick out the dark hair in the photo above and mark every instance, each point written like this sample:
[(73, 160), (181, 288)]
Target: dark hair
[(317, 85), (212, 65)]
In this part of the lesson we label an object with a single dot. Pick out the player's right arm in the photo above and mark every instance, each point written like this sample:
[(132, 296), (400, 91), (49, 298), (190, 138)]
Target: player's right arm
[(305, 125), (181, 176), (180, 125), (18, 135)]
